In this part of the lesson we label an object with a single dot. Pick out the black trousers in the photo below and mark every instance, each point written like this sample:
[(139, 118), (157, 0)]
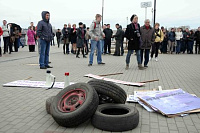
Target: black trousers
[(107, 44), (7, 44), (197, 47), (66, 48), (78, 52), (117, 47), (16, 44), (58, 41), (155, 48), (31, 48)]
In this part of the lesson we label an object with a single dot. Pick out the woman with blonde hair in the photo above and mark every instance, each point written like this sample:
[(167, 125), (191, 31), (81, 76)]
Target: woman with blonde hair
[(159, 37), (73, 38)]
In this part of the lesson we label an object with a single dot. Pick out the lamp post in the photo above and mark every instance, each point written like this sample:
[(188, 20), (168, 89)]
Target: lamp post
[(154, 13), (102, 10)]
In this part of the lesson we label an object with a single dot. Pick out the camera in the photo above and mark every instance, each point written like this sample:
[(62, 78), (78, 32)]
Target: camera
[(138, 33)]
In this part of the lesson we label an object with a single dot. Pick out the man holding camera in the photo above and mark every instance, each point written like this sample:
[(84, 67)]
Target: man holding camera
[(133, 35)]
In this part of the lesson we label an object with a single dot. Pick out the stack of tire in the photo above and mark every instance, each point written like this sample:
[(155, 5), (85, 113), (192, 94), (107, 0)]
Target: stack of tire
[(101, 101)]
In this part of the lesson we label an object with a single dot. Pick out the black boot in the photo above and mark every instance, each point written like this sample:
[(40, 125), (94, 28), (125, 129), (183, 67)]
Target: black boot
[(64, 48), (83, 54), (77, 54)]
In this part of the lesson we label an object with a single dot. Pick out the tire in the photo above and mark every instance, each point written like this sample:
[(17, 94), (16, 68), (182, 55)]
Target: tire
[(115, 117), (48, 104), (81, 102), (108, 92)]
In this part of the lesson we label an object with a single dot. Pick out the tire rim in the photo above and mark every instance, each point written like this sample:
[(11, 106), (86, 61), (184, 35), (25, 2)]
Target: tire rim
[(72, 100)]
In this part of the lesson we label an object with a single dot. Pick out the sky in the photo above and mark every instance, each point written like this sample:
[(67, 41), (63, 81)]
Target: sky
[(169, 13)]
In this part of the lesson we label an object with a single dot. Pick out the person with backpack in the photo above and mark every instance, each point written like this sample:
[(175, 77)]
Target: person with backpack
[(133, 35), (96, 35), (197, 39), (159, 37), (171, 42)]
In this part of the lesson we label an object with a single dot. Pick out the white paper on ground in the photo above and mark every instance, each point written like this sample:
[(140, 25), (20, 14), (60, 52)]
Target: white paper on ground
[(34, 84)]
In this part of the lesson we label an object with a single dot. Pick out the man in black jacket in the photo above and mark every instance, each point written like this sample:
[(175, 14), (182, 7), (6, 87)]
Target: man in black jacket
[(108, 35), (133, 35), (118, 37), (45, 33), (58, 35), (197, 38)]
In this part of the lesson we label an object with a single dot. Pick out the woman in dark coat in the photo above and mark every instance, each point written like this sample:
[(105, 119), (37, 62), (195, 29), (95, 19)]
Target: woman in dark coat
[(80, 40), (133, 35), (191, 42), (73, 37)]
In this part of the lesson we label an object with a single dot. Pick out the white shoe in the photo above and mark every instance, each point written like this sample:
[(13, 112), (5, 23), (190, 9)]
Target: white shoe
[(149, 58), (156, 59)]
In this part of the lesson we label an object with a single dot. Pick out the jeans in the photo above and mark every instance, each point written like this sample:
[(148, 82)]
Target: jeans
[(129, 56), (94, 45), (190, 48), (146, 56), (44, 53), (178, 46), (155, 48), (102, 46)]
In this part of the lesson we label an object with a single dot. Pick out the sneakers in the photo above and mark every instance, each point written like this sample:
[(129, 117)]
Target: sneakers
[(156, 59), (101, 63)]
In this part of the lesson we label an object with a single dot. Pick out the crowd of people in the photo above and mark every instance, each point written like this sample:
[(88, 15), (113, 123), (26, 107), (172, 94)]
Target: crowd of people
[(140, 39)]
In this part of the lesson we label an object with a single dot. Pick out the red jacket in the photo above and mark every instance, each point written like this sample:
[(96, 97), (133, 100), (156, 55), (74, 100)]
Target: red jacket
[(1, 31)]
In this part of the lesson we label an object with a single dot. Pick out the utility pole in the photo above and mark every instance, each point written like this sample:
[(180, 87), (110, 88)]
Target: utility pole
[(145, 13), (102, 10), (154, 13)]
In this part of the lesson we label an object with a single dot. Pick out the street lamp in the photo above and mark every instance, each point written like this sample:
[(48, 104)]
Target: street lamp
[(154, 13), (102, 10)]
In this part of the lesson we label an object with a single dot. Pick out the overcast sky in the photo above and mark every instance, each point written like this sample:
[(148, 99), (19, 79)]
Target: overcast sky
[(169, 12)]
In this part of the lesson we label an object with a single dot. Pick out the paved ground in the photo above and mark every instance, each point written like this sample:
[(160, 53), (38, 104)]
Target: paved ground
[(22, 110)]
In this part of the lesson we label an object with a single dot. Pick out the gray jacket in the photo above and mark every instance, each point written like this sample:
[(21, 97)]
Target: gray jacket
[(44, 28), (96, 31), (119, 34), (147, 37)]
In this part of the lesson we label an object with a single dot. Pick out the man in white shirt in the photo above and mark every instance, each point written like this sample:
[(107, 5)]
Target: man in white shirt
[(6, 37)]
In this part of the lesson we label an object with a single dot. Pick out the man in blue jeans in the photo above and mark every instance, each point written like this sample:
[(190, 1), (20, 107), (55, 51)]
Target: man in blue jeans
[(44, 32), (97, 35)]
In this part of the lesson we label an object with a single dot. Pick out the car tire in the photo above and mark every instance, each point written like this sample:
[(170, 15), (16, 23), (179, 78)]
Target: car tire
[(108, 92), (115, 117), (48, 104), (74, 105)]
